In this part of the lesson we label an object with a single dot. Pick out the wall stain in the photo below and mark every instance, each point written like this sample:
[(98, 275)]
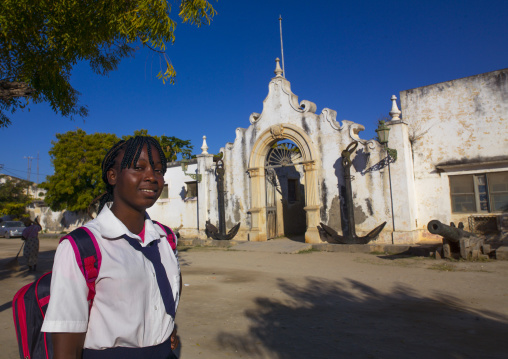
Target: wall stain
[(501, 82), (305, 126), (360, 216), (237, 208), (334, 220), (478, 104), (254, 134), (369, 206), (324, 202)]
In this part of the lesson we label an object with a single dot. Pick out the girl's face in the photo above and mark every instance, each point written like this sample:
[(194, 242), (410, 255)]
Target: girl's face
[(138, 187)]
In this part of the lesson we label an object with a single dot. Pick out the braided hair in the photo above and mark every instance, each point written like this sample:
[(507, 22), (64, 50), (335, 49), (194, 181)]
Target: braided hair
[(132, 149)]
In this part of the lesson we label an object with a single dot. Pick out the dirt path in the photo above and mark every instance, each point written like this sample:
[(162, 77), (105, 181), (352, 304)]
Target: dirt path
[(240, 304), (11, 282)]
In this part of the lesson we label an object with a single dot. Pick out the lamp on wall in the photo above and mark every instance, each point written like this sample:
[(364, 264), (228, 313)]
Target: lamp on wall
[(383, 133), (184, 162)]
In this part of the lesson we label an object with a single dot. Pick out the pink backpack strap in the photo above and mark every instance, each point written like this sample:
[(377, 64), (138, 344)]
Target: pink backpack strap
[(170, 235), (88, 256)]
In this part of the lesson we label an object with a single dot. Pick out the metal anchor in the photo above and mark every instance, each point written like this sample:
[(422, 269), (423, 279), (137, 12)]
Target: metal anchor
[(350, 236), (210, 229)]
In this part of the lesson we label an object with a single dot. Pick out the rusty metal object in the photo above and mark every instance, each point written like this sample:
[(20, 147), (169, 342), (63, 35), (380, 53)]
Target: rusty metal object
[(350, 237), (458, 242), (210, 230), (450, 232)]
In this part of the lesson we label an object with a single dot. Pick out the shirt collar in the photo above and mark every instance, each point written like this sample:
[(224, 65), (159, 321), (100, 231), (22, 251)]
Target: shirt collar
[(110, 227)]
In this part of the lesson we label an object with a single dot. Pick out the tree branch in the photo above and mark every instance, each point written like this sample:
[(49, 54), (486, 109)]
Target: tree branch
[(154, 50), (10, 90)]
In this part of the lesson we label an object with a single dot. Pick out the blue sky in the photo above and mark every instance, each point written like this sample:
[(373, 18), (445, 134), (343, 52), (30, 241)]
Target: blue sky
[(350, 56)]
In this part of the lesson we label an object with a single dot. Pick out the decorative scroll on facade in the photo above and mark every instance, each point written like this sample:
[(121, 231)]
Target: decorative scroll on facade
[(277, 132)]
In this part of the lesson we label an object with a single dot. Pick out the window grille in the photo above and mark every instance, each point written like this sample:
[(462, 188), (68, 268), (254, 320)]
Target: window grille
[(482, 224)]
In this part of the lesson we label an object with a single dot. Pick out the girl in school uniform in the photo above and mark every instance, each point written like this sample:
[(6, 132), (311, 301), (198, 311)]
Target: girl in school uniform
[(139, 282)]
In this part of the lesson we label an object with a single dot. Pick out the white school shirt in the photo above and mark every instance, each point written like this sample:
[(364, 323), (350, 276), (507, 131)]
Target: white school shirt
[(128, 310)]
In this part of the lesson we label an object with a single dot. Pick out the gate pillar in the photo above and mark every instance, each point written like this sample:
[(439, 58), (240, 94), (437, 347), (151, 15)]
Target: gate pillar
[(312, 205), (257, 211)]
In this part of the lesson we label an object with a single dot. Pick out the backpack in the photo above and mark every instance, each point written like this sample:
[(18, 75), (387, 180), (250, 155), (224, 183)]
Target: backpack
[(31, 301)]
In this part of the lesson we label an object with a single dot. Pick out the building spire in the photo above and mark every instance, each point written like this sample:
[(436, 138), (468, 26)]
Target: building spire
[(204, 148), (395, 112), (278, 70)]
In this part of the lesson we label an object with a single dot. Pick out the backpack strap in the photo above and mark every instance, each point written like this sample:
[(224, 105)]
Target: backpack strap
[(170, 235), (88, 256)]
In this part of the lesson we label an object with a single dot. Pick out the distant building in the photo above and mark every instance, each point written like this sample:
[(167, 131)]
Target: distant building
[(33, 190), (50, 221)]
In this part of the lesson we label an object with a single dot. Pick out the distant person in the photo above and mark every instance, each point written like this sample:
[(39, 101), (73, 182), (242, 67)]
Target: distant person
[(31, 237), (138, 286)]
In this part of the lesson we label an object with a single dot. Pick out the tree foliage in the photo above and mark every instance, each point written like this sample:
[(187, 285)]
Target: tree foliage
[(13, 196), (41, 41), (172, 146), (76, 158)]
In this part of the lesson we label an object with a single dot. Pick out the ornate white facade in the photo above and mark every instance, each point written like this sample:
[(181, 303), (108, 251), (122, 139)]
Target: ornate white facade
[(457, 123)]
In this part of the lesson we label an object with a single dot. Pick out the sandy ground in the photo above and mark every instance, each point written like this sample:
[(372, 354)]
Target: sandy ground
[(243, 304)]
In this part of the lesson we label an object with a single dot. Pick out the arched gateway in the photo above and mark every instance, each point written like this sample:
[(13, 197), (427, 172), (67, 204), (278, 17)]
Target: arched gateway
[(262, 228)]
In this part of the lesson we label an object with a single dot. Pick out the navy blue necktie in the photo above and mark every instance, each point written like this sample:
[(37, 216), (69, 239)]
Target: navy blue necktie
[(151, 252)]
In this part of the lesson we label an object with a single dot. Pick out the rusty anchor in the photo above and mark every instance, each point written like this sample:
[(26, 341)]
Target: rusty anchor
[(350, 237), (210, 229)]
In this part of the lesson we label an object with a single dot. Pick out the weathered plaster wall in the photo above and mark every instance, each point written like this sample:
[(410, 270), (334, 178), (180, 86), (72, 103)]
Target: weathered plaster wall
[(59, 221), (459, 121), (370, 184), (213, 202), (176, 211)]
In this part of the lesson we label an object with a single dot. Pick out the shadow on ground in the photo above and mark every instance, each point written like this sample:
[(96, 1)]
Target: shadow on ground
[(348, 319), (44, 264), (296, 237)]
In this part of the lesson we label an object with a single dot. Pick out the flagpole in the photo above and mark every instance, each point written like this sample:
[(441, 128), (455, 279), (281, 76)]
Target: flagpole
[(282, 47)]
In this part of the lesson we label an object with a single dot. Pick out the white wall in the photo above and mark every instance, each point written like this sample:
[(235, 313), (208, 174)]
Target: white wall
[(462, 122), (58, 221), (177, 211)]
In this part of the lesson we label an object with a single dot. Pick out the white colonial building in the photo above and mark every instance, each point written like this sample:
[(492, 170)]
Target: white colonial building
[(284, 173)]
